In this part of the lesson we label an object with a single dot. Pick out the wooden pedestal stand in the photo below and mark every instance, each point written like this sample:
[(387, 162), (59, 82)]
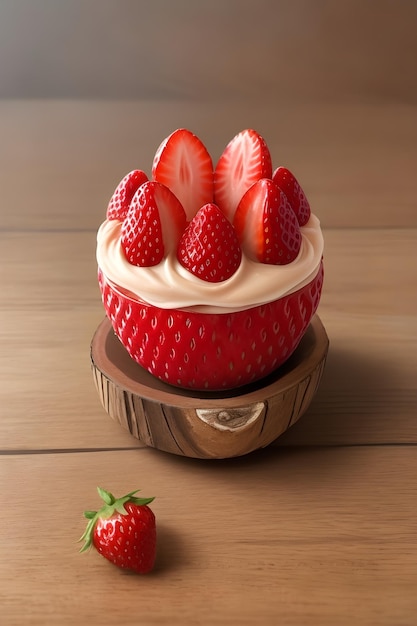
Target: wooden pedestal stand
[(206, 424)]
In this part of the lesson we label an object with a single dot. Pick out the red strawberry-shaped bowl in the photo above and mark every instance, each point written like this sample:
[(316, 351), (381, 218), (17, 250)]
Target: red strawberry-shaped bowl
[(211, 351)]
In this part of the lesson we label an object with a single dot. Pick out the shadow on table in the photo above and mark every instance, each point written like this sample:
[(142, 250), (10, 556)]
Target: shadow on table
[(172, 550), (355, 404), (359, 403)]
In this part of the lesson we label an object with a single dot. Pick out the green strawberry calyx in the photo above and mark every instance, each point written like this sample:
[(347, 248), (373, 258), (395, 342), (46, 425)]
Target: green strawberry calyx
[(111, 506)]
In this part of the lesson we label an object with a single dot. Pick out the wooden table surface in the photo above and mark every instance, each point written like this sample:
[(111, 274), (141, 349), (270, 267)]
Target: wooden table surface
[(319, 528)]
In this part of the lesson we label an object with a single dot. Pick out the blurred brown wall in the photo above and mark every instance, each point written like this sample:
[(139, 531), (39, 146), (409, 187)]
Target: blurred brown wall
[(217, 49)]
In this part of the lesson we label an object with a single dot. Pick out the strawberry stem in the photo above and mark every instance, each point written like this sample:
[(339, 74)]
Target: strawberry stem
[(106, 496)]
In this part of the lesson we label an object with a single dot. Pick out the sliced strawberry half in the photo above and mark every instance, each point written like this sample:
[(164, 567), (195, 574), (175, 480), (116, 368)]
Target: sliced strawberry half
[(245, 160), (266, 225), (123, 194), (183, 164), (296, 196), (153, 225), (209, 247)]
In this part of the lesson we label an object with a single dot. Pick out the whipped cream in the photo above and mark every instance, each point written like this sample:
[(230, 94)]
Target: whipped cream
[(170, 286)]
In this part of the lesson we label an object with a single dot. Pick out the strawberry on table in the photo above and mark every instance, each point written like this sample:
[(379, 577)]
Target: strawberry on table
[(209, 247), (153, 225), (183, 164), (296, 196), (123, 531), (266, 225), (123, 194), (245, 160)]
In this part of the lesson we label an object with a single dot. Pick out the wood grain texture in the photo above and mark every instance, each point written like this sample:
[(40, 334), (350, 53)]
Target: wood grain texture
[(369, 309), (355, 160), (303, 536), (206, 425), (317, 529)]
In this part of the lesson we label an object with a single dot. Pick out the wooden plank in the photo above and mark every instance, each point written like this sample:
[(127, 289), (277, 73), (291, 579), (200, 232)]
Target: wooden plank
[(298, 49), (60, 160), (59, 270), (301, 536), (51, 307), (369, 308)]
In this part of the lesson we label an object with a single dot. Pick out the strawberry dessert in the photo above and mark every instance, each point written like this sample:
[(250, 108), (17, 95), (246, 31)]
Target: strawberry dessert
[(210, 275)]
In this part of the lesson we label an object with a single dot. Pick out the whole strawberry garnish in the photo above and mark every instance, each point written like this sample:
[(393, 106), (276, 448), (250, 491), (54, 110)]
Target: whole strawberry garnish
[(266, 225), (245, 160), (123, 531), (296, 196), (152, 226), (124, 192), (209, 247), (183, 164)]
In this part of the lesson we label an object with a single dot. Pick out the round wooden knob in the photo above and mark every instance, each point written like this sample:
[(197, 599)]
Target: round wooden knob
[(206, 424)]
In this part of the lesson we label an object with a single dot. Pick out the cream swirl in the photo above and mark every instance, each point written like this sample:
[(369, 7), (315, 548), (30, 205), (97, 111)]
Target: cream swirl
[(170, 286)]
